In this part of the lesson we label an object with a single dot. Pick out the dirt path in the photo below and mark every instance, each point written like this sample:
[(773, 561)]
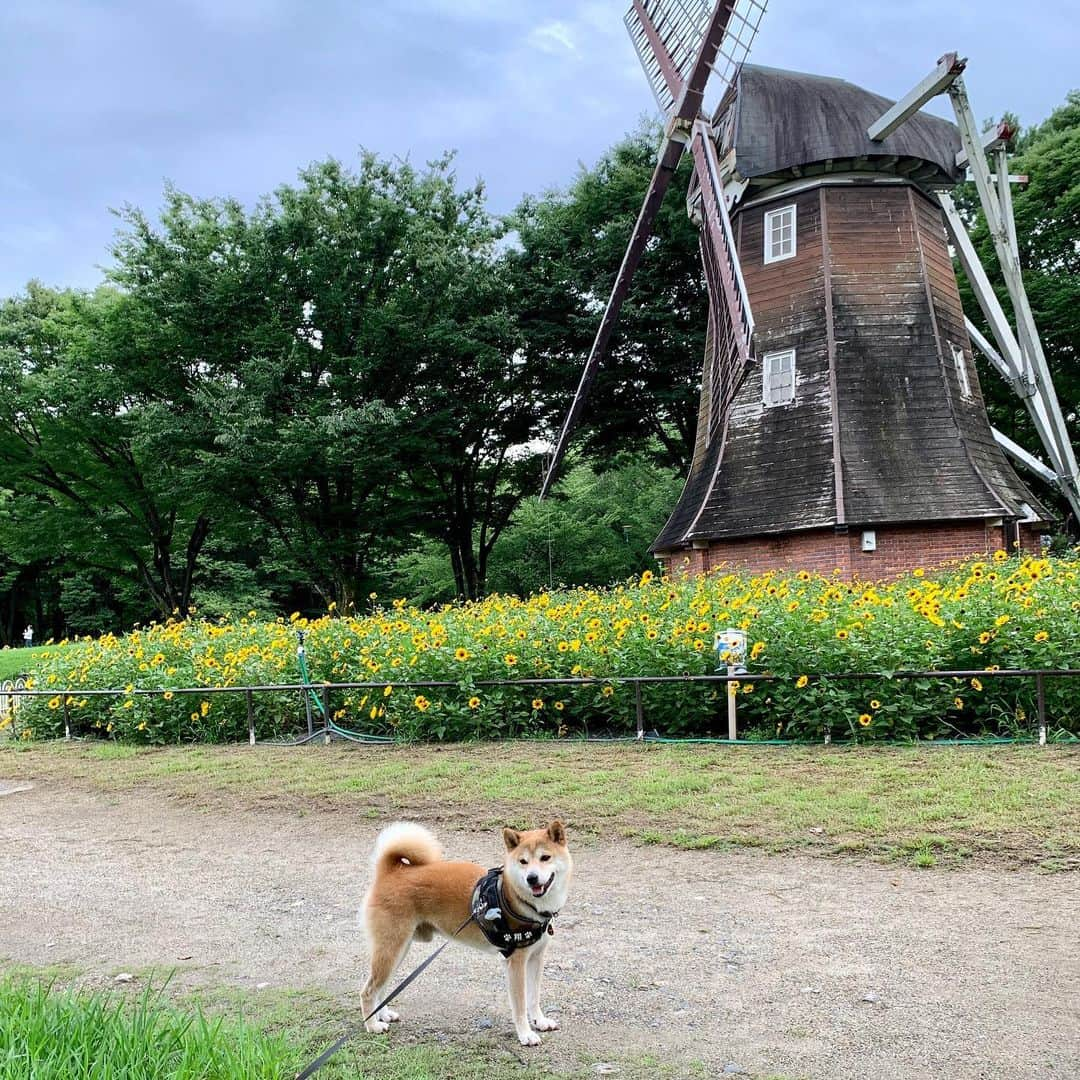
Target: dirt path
[(729, 959)]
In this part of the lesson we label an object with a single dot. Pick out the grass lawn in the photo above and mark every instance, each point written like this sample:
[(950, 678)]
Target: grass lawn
[(18, 661), (1009, 805), (49, 1033)]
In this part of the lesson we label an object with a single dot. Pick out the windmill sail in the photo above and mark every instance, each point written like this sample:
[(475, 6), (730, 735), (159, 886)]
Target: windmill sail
[(733, 321), (667, 35), (680, 44)]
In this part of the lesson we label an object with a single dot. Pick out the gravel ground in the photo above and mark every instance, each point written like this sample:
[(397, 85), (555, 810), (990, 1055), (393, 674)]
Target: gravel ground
[(771, 964)]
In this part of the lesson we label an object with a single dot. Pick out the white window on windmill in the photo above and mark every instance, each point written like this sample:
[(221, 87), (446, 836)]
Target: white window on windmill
[(780, 234), (961, 372), (778, 378)]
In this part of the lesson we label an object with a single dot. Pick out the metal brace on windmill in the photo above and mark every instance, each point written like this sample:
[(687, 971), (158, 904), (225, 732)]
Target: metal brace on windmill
[(841, 423)]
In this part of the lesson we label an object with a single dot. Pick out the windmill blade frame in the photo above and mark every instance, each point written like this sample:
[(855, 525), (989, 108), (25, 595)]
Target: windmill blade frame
[(666, 165), (666, 33)]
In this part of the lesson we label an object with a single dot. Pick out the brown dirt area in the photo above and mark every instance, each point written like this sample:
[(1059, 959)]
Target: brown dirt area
[(721, 958)]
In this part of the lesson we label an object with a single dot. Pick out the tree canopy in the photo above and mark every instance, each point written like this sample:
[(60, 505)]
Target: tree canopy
[(273, 404)]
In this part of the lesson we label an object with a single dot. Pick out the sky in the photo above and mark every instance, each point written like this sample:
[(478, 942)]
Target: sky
[(107, 100)]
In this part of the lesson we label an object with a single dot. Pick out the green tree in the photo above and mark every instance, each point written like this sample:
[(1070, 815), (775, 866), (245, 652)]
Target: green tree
[(596, 531), (356, 355), (96, 435)]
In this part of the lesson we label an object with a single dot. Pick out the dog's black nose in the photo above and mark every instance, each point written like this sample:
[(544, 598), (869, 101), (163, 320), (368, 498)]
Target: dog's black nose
[(532, 879)]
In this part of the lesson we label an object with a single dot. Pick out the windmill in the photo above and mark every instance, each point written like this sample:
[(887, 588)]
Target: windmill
[(841, 423)]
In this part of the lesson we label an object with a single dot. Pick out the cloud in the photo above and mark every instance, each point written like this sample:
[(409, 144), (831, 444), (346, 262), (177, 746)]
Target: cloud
[(231, 97), (553, 37)]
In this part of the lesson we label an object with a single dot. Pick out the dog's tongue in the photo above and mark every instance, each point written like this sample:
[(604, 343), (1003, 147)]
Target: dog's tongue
[(538, 890)]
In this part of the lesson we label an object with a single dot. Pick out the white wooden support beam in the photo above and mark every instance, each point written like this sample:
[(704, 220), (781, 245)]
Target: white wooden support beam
[(941, 78), (1004, 195), (976, 155), (1029, 461), (984, 293), (998, 362), (997, 206), (1003, 134), (1011, 361)]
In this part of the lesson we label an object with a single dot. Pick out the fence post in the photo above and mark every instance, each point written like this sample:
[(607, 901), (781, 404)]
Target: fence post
[(639, 710), (67, 719), (250, 716), (326, 714), (306, 695), (1040, 691), (732, 691)]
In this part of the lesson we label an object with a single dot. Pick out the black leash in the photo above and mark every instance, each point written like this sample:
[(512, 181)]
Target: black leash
[(330, 1051)]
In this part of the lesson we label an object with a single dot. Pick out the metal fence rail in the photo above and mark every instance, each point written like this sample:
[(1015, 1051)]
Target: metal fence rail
[(12, 692)]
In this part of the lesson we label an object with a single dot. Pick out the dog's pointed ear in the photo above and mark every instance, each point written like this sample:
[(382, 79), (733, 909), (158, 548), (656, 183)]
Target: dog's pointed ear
[(511, 838), (557, 832)]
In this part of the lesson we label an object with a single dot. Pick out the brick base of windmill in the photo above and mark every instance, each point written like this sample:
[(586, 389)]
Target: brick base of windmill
[(896, 549)]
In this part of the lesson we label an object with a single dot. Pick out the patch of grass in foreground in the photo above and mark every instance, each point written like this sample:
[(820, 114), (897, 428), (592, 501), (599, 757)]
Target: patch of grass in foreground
[(51, 1034), (68, 1036), (925, 805)]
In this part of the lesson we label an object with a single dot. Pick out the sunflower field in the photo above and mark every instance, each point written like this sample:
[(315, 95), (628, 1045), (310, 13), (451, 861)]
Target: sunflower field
[(982, 615)]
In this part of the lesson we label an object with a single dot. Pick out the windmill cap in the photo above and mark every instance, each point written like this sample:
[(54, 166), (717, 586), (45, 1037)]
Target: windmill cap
[(791, 120)]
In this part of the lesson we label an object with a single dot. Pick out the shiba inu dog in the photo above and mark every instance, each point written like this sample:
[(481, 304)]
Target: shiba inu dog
[(416, 893)]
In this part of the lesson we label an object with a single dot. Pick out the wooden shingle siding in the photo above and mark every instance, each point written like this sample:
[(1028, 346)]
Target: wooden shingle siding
[(706, 458), (911, 446), (770, 453), (985, 454), (903, 455)]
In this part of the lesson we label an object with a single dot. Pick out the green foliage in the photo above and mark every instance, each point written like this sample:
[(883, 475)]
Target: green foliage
[(982, 615), (71, 1036), (595, 529), (293, 391), (359, 362), (87, 442)]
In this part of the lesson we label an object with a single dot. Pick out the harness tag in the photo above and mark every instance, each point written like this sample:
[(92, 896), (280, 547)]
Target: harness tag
[(492, 914)]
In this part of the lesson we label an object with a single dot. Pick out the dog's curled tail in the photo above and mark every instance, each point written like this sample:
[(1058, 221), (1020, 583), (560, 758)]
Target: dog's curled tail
[(404, 843)]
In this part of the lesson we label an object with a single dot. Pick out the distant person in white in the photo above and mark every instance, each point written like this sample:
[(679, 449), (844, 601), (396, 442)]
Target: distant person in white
[(28, 636)]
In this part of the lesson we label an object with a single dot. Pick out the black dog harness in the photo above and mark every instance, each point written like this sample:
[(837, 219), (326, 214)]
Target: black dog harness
[(505, 928)]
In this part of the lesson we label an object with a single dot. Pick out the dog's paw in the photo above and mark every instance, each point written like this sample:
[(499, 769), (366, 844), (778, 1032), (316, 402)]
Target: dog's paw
[(528, 1038), (545, 1023), (377, 1027), (389, 1016)]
